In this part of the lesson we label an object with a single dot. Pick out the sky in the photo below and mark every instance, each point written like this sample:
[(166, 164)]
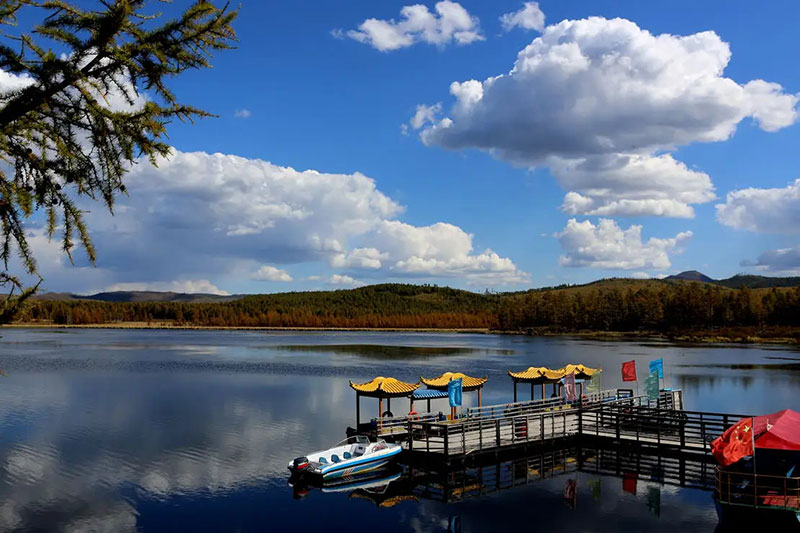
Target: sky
[(481, 145)]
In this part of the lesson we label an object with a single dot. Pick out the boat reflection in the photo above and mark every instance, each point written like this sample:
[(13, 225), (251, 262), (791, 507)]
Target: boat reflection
[(374, 481)]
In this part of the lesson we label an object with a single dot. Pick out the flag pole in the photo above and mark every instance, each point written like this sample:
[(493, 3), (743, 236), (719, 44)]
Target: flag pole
[(755, 470)]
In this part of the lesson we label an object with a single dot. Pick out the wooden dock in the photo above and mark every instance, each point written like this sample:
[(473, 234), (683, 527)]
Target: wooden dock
[(627, 419)]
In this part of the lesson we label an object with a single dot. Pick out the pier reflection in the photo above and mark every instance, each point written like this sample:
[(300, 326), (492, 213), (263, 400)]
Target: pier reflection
[(607, 474)]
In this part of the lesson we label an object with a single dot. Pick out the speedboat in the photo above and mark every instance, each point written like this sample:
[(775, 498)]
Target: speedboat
[(353, 455)]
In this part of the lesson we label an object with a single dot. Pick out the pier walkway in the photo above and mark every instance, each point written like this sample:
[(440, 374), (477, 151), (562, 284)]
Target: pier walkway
[(621, 419)]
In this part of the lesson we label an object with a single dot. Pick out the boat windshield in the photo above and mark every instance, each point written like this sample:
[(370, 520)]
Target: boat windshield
[(355, 439)]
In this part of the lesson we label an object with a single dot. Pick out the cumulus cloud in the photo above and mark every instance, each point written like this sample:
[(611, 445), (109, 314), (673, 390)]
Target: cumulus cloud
[(784, 261), (631, 185), (200, 216), (242, 113), (343, 279), (608, 246), (529, 17), (450, 23), (763, 210), (597, 94), (271, 273)]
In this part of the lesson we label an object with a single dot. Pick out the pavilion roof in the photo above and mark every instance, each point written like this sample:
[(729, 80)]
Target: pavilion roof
[(542, 374), (581, 371), (382, 387), (467, 382), (538, 374)]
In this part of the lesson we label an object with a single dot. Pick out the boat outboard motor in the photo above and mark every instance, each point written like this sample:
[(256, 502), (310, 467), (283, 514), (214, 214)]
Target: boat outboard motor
[(300, 463)]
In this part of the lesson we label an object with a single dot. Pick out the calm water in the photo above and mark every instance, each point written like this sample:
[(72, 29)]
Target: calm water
[(163, 430)]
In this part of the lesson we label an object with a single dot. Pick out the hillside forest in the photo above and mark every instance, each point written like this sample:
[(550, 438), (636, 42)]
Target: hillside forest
[(665, 307)]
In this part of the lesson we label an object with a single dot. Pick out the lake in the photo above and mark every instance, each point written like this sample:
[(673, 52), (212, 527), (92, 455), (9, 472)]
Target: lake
[(115, 430)]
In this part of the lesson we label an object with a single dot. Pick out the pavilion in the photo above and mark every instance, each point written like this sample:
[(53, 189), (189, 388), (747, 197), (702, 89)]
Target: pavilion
[(381, 388), (547, 376), (438, 386)]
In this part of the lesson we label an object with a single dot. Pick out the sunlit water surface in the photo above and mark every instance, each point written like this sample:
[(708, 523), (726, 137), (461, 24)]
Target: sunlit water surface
[(192, 430)]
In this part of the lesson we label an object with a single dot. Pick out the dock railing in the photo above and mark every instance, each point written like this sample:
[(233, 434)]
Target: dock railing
[(757, 490), (686, 429), (398, 425), (469, 435), (547, 404)]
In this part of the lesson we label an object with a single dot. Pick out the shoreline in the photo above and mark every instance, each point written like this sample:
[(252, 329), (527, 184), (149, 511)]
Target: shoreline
[(593, 335)]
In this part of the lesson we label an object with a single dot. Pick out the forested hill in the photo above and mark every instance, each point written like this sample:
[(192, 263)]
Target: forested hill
[(671, 307), (387, 305)]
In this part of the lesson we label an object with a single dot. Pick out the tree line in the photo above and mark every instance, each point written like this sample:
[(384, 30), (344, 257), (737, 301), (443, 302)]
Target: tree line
[(669, 308)]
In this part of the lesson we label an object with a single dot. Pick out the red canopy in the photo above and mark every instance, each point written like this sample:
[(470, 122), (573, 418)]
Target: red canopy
[(778, 431)]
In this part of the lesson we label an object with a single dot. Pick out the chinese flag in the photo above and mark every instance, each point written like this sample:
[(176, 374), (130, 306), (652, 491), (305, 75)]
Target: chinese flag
[(735, 443), (629, 371)]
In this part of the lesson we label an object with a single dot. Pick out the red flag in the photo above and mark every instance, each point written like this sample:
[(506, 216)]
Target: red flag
[(735, 443), (571, 493), (629, 371), (629, 482)]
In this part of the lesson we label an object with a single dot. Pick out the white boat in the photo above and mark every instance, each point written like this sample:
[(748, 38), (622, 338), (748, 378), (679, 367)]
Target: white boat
[(353, 455)]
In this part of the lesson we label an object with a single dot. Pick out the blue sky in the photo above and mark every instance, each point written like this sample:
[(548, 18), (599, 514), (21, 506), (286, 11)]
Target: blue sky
[(643, 122)]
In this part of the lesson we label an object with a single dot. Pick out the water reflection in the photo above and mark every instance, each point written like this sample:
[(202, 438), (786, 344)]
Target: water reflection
[(387, 351), (105, 430)]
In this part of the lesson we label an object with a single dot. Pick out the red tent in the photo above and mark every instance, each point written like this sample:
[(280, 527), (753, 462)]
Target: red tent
[(778, 431)]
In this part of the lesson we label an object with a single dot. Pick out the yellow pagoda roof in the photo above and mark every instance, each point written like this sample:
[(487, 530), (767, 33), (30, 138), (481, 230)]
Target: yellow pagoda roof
[(382, 386), (467, 382), (580, 370), (538, 373)]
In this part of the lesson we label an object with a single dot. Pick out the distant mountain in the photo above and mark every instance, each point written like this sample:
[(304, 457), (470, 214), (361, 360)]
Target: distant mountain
[(757, 282), (140, 296), (692, 275), (738, 281), (430, 294)]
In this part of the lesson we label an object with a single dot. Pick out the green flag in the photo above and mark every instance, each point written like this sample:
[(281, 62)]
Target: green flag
[(654, 500), (593, 385), (596, 488), (651, 385)]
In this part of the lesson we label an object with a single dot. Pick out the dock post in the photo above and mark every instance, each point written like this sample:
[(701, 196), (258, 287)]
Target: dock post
[(580, 418), (410, 435), (683, 433), (497, 430), (515, 391), (358, 410), (447, 439)]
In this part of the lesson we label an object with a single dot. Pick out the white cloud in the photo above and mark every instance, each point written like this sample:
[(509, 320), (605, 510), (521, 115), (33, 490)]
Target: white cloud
[(368, 258), (200, 216), (271, 273), (784, 261), (631, 185), (763, 210), (242, 113), (343, 279), (425, 114), (190, 286), (640, 275), (529, 17), (608, 246), (450, 23), (592, 93)]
